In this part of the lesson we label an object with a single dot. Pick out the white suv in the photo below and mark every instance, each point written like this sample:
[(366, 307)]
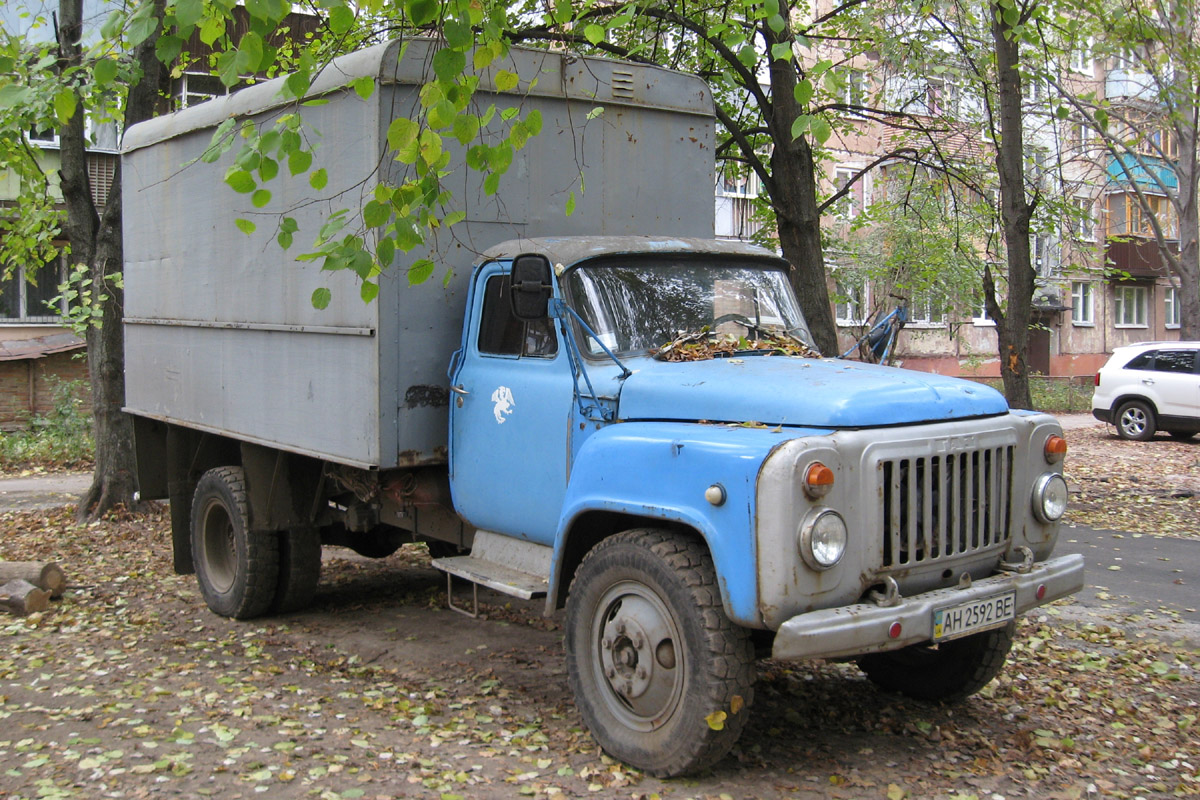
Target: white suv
[(1149, 387)]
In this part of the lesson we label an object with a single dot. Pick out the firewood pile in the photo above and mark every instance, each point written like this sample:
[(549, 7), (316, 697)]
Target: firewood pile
[(28, 586)]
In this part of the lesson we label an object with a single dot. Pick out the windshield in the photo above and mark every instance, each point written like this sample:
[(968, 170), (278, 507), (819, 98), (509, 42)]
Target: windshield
[(640, 305)]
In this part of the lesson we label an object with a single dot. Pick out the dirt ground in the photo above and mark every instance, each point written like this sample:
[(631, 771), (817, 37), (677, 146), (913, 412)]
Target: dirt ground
[(129, 687), (1144, 487)]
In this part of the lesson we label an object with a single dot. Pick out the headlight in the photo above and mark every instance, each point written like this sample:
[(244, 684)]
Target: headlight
[(823, 538), (1050, 497)]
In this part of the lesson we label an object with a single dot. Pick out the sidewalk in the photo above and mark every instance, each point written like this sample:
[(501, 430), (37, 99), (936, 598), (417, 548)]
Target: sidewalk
[(1072, 422), (35, 492)]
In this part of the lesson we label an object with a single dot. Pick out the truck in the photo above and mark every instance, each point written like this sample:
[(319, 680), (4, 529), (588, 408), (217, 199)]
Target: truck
[(608, 409)]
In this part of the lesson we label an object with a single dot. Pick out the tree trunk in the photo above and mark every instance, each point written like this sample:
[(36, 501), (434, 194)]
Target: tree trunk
[(1012, 325), (96, 241), (1188, 173), (794, 200)]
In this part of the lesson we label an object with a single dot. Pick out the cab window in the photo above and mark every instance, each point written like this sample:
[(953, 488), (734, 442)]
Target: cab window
[(500, 333)]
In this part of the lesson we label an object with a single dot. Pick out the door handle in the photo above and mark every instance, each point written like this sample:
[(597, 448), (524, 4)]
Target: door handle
[(459, 390), (1148, 381)]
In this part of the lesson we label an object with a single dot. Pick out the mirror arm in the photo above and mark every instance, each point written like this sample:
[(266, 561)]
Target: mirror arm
[(560, 310)]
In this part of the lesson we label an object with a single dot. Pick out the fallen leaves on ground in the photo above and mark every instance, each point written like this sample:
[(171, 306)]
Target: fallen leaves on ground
[(1143, 487), (130, 687)]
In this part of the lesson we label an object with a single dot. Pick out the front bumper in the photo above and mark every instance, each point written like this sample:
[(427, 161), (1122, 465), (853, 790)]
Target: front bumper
[(864, 628)]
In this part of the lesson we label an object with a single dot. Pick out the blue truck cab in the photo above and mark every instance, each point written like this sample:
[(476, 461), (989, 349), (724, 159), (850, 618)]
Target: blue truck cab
[(751, 494)]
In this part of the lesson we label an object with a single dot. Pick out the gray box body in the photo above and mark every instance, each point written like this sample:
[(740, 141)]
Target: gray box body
[(220, 332)]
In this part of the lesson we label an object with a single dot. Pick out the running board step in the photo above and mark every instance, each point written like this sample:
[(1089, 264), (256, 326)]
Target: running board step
[(512, 566)]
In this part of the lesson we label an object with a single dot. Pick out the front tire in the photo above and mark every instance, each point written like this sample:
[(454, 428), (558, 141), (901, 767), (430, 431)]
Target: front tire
[(651, 655), (1135, 421), (944, 673), (237, 568)]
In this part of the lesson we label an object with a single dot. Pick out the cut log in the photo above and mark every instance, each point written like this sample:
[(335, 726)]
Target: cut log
[(43, 574), (22, 597)]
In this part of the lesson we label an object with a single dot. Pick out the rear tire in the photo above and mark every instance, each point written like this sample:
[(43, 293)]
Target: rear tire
[(299, 569), (943, 673), (237, 568), (651, 656), (1135, 421)]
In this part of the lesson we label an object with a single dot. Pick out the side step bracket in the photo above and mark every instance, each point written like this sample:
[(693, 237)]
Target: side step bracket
[(512, 566)]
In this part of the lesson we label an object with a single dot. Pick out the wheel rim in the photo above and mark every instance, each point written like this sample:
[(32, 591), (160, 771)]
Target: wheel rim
[(220, 549), (1133, 421), (637, 659)]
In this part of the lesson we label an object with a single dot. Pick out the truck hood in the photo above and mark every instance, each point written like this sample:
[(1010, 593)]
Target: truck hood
[(784, 390)]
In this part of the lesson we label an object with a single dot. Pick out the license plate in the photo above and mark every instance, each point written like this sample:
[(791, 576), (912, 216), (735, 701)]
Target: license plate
[(977, 615)]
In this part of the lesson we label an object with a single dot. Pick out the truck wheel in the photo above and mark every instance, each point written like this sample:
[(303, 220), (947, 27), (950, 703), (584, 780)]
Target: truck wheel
[(1135, 421), (944, 673), (237, 568), (651, 656), (299, 569)]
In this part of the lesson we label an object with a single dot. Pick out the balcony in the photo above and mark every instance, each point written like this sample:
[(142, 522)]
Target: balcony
[(1137, 256), (1128, 82), (1148, 172)]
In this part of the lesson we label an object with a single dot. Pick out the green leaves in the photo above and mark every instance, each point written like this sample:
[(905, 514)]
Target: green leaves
[(240, 180), (506, 81), (104, 71), (420, 271), (188, 12)]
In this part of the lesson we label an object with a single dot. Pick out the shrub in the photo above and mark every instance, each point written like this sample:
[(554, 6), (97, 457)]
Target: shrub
[(59, 439)]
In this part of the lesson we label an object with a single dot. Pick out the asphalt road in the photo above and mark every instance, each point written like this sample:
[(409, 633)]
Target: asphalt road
[(1131, 573), (35, 492)]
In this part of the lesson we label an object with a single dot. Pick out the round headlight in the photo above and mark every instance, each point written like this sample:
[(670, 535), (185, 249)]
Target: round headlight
[(823, 539), (1050, 497)]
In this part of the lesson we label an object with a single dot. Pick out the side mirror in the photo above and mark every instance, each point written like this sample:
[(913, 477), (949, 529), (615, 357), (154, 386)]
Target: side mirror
[(532, 286)]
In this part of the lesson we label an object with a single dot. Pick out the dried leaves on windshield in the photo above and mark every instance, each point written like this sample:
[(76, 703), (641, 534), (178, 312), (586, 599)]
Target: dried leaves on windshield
[(704, 344)]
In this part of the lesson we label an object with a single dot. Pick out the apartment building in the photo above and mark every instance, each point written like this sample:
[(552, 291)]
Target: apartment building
[(1101, 278)]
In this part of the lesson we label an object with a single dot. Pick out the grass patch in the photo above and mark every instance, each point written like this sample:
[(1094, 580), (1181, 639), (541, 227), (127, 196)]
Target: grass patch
[(59, 439), (1071, 395)]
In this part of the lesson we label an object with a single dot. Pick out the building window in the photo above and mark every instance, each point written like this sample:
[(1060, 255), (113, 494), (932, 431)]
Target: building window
[(849, 205), (854, 92), (26, 299), (1172, 309), (1041, 253), (1127, 216), (1129, 309), (196, 87), (43, 137), (927, 309), (1080, 59), (1082, 305), (735, 182), (982, 318), (852, 300), (1082, 223)]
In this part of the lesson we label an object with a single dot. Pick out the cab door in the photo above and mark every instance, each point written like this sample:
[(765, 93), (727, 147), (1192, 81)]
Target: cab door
[(509, 416)]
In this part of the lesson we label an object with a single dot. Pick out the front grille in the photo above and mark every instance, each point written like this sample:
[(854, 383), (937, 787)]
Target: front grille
[(937, 507)]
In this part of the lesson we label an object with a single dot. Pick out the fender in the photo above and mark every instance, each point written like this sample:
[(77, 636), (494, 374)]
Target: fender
[(660, 471)]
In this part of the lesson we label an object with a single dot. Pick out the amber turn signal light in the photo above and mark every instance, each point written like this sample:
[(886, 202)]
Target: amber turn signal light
[(818, 480), (1055, 450)]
